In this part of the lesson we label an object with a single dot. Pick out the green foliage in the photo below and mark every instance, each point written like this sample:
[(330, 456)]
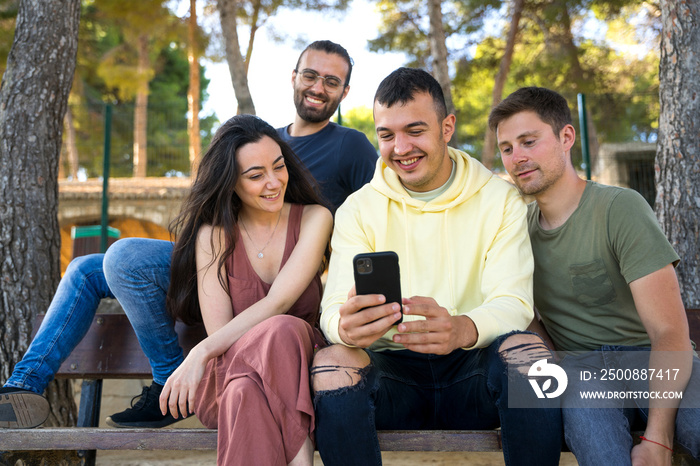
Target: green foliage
[(405, 27), (139, 23), (8, 13), (255, 13), (361, 119), (167, 124), (610, 9), (471, 95), (555, 49), (168, 146), (621, 88), (167, 111), (261, 10), (626, 108), (620, 82)]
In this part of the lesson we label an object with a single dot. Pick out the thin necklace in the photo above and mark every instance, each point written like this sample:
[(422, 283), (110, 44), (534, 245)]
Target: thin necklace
[(260, 251)]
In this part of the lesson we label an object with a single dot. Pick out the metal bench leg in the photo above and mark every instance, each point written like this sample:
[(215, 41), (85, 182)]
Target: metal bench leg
[(89, 413)]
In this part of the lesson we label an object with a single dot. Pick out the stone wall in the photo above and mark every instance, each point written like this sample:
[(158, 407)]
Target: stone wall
[(630, 165)]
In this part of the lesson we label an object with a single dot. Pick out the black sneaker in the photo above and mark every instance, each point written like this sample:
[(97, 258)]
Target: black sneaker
[(22, 409), (145, 413)]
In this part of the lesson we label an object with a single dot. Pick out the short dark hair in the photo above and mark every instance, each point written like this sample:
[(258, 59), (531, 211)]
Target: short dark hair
[(403, 84), (332, 48), (551, 107)]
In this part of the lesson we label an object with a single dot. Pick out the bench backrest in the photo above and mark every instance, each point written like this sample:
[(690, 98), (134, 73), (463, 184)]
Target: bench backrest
[(110, 349), (694, 324)]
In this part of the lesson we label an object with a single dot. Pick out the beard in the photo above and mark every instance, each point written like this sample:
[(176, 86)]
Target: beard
[(545, 180), (315, 115)]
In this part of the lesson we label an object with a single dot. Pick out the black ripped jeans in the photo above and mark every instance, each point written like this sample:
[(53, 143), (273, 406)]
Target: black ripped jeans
[(461, 390)]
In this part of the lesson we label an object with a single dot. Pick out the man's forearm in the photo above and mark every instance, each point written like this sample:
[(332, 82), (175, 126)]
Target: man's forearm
[(674, 369)]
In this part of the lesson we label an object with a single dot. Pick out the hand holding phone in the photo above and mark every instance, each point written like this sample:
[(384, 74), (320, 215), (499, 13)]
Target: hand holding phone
[(378, 273)]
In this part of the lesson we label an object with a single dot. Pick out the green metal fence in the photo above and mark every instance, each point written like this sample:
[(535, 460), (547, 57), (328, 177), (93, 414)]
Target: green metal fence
[(167, 148)]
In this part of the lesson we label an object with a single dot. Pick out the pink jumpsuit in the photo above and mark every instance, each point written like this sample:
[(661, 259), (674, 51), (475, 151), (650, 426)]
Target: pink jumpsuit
[(257, 393)]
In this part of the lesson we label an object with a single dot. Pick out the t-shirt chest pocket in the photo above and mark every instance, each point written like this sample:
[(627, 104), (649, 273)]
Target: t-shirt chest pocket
[(591, 284)]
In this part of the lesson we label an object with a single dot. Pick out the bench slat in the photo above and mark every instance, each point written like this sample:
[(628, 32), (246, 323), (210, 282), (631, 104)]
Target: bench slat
[(694, 325), (440, 440), (61, 438)]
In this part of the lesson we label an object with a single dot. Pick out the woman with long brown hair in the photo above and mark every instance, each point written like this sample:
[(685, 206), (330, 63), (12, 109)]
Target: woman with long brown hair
[(250, 242)]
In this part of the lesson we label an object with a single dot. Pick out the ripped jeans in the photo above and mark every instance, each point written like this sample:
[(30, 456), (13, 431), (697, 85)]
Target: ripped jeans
[(409, 391)]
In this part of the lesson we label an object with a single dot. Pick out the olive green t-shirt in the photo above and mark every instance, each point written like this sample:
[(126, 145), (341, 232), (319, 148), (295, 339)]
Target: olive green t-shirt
[(583, 268)]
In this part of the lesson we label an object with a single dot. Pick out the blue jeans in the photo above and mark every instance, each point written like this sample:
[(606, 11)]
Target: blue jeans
[(602, 435), (408, 390), (136, 271)]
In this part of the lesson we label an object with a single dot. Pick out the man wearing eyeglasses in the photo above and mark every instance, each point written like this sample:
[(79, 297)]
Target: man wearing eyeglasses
[(341, 159)]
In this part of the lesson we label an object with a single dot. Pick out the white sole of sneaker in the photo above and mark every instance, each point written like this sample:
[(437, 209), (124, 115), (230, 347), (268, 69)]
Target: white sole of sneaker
[(22, 410)]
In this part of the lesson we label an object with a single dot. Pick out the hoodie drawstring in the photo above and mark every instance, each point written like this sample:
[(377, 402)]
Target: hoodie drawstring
[(406, 249), (449, 260)]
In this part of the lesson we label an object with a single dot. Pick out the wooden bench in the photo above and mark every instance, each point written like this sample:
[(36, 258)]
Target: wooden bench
[(111, 350)]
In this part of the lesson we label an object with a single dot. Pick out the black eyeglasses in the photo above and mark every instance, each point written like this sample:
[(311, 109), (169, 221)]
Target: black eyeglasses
[(330, 83)]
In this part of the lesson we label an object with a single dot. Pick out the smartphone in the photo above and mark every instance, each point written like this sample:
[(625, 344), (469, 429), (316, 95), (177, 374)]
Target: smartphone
[(378, 273)]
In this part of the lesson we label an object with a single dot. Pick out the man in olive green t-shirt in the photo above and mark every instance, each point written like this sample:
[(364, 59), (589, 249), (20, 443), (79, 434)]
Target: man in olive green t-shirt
[(604, 281)]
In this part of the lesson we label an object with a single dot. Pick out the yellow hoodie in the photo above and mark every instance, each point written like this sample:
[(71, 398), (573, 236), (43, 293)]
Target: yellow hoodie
[(468, 249)]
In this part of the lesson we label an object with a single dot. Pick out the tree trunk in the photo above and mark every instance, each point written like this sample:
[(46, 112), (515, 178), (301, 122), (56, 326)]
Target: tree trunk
[(33, 102), (71, 148), (141, 110), (254, 26), (499, 83), (195, 140), (236, 64), (678, 151), (438, 49)]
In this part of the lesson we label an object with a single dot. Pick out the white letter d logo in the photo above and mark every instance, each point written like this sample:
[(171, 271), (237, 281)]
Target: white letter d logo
[(544, 369)]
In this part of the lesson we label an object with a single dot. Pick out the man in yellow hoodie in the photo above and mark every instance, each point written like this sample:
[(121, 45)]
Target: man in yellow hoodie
[(461, 237)]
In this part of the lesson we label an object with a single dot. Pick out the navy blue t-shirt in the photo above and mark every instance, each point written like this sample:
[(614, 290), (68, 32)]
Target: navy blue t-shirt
[(341, 159)]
